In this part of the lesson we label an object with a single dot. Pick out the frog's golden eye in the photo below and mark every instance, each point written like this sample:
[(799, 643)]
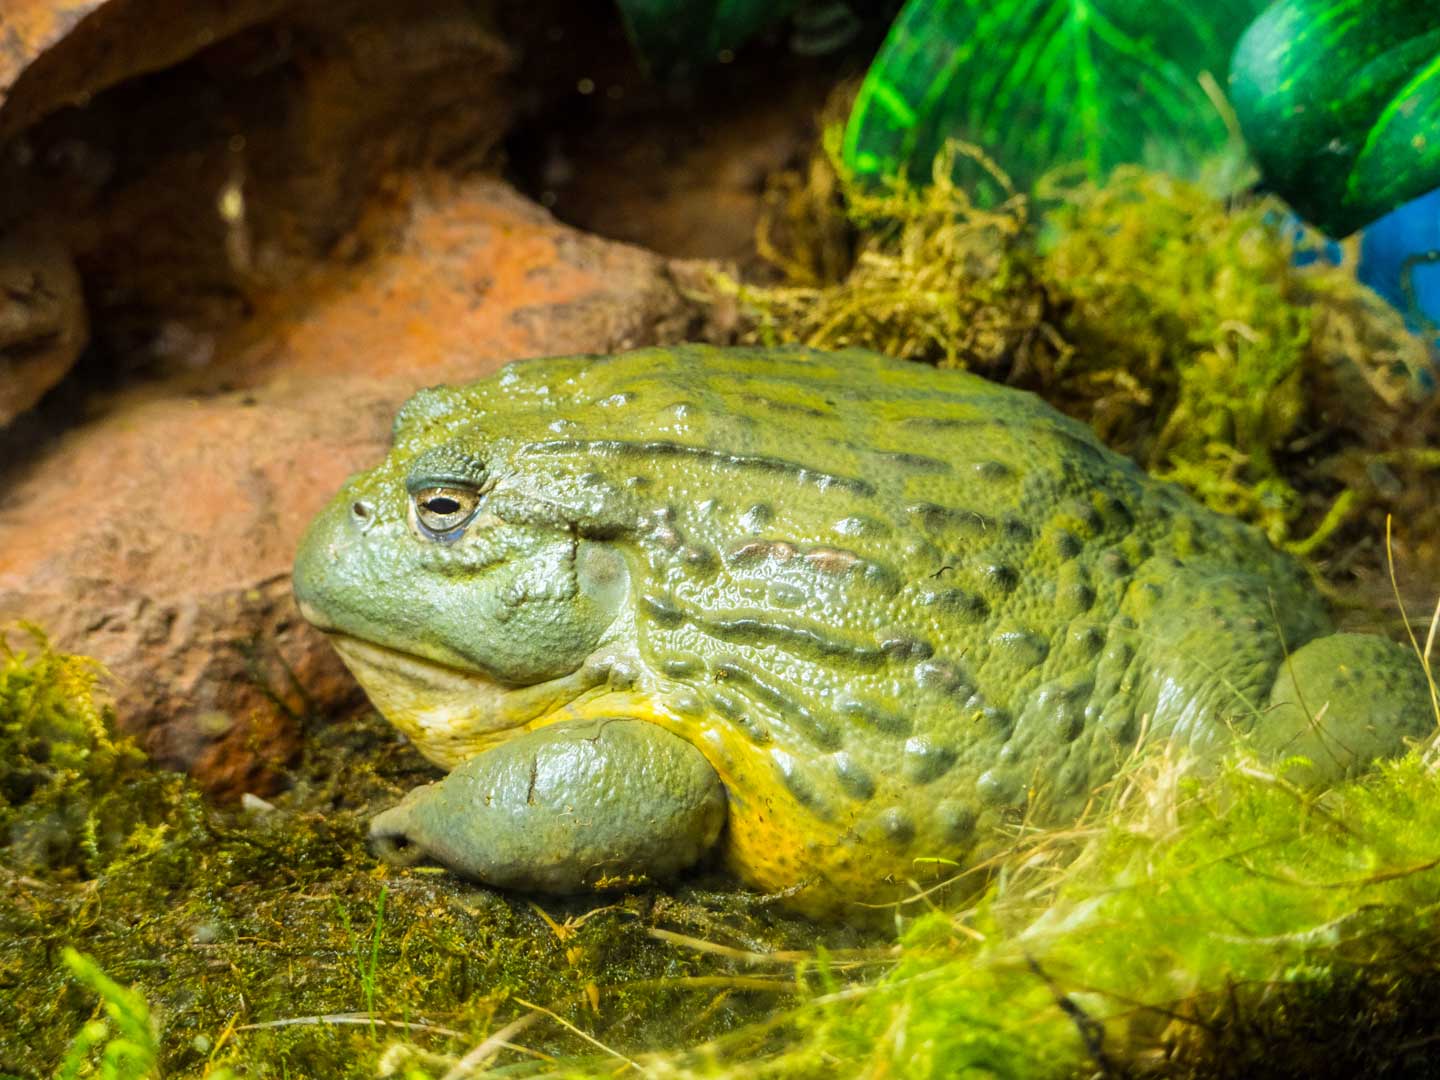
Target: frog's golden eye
[(440, 511)]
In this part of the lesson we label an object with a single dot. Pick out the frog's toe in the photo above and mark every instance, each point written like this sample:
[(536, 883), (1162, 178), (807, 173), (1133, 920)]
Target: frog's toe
[(1343, 701), (391, 840)]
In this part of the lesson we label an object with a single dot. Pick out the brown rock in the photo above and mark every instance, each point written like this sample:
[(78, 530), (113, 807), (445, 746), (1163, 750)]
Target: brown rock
[(159, 536), (225, 146), (42, 318), (58, 52)]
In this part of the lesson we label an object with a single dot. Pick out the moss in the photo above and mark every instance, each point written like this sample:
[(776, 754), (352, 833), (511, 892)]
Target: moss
[(914, 272), (260, 938), (1177, 324), (1236, 359), (61, 772), (1196, 926)]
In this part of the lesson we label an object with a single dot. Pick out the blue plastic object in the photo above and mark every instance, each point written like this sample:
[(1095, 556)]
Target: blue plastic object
[(1408, 234)]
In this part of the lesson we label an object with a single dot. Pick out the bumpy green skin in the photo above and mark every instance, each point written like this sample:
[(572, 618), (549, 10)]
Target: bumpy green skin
[(550, 810), (893, 607)]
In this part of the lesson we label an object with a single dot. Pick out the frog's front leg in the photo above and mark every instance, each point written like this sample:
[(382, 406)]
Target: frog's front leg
[(564, 808)]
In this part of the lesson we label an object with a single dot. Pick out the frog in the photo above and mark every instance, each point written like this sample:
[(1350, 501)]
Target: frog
[(824, 620)]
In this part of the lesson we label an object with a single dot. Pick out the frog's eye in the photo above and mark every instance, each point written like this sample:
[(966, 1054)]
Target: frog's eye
[(440, 511)]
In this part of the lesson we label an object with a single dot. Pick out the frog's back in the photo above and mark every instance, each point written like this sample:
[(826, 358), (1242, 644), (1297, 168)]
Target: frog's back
[(893, 604)]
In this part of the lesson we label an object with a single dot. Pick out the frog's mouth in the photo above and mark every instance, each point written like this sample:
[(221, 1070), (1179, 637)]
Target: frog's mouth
[(448, 713)]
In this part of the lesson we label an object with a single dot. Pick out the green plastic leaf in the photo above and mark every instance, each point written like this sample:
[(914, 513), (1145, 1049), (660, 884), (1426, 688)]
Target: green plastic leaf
[(1340, 102), (675, 37), (1042, 83)]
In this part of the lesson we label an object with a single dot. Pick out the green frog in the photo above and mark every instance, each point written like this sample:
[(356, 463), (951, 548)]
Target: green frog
[(834, 616)]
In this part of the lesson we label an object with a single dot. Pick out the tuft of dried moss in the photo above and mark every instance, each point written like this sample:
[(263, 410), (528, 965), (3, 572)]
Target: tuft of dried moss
[(1177, 324), (915, 272)]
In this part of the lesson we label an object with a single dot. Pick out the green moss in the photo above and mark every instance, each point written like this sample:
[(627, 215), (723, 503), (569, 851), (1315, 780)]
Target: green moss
[(1178, 325), (1199, 926), (62, 774), (914, 272), (1199, 347), (1196, 926)]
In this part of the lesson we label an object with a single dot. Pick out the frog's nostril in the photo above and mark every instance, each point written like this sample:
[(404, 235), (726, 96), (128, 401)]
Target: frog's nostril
[(362, 513)]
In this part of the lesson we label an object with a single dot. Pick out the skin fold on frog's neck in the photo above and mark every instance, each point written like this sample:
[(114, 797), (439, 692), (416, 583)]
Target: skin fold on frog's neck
[(451, 714)]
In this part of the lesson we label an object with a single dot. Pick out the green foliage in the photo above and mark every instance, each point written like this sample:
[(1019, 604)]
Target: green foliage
[(127, 1043), (367, 961), (677, 36), (1043, 83), (1340, 103), (50, 718), (128, 1051)]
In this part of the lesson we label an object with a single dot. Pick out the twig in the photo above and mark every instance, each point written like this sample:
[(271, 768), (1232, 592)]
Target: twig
[(490, 1046), (576, 1031), (1092, 1032), (1422, 654), (748, 956), (351, 1018)]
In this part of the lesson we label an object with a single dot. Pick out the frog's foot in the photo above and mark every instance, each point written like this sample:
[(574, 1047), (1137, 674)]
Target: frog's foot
[(1343, 701), (571, 806)]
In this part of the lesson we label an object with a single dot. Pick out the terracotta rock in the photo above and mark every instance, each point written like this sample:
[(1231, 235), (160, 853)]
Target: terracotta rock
[(481, 275), (178, 580), (42, 318), (158, 537)]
